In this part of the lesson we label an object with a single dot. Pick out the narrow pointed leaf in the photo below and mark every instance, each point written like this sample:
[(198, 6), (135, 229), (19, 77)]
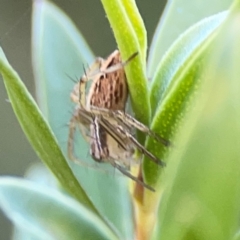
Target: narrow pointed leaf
[(174, 61), (179, 77), (178, 16), (39, 133), (202, 185), (138, 25), (128, 43)]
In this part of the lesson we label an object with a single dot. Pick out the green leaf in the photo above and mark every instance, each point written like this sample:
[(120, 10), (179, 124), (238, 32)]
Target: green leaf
[(59, 51), (22, 234), (174, 61), (138, 26), (127, 32), (178, 16), (237, 236), (39, 134), (179, 79), (39, 174), (202, 185), (48, 213), (59, 54)]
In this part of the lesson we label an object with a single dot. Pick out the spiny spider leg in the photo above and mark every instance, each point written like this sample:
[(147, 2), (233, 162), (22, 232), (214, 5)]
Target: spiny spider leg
[(99, 61), (80, 119), (128, 174), (94, 69), (108, 127), (115, 165), (119, 65), (129, 121), (74, 123), (140, 147), (111, 130)]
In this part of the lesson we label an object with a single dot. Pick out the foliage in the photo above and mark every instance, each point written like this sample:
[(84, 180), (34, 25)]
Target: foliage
[(192, 100)]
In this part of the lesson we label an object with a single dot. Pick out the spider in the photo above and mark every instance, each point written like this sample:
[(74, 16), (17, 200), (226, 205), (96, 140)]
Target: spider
[(102, 120)]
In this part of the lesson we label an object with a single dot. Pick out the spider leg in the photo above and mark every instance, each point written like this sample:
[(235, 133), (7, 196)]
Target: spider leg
[(123, 137), (93, 70), (129, 122), (111, 130), (140, 147), (126, 173), (99, 145), (70, 147), (119, 65), (73, 124)]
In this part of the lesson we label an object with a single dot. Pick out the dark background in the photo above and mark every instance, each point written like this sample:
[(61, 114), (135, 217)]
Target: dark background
[(16, 155)]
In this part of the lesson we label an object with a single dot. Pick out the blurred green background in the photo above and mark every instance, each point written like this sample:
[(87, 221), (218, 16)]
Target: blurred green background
[(16, 155)]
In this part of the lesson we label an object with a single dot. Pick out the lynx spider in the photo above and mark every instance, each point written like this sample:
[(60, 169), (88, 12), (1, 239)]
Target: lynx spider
[(102, 120)]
